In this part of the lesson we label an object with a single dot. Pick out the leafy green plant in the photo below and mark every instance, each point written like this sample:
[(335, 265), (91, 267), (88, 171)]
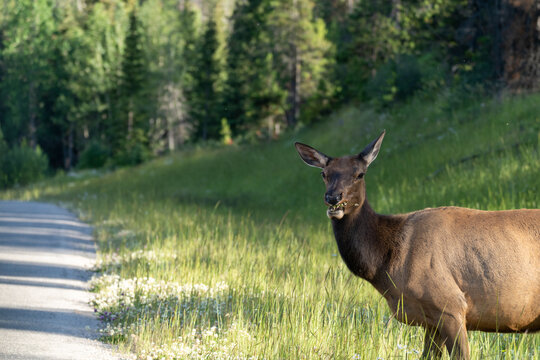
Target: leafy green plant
[(22, 165), (135, 150), (398, 79), (94, 156)]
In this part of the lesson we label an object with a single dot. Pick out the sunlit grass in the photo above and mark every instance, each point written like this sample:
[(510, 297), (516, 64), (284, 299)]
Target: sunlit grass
[(251, 220)]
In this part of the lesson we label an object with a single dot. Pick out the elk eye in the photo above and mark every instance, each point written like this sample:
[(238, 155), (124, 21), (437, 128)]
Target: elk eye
[(360, 176)]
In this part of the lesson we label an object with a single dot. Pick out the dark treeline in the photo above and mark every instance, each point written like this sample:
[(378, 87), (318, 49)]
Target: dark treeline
[(90, 83)]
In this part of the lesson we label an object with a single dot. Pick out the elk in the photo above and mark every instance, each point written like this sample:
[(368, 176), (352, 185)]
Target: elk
[(447, 269)]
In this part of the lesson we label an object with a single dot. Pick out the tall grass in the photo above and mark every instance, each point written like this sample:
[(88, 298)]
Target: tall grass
[(227, 253)]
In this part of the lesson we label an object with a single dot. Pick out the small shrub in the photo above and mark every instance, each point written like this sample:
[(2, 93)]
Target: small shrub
[(225, 132), (435, 72), (400, 78), (408, 76), (94, 156), (22, 165), (381, 88), (134, 152)]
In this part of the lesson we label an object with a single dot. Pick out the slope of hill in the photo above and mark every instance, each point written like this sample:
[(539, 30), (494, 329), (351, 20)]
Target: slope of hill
[(227, 252)]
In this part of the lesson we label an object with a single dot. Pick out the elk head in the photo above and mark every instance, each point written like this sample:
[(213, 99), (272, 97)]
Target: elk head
[(343, 176)]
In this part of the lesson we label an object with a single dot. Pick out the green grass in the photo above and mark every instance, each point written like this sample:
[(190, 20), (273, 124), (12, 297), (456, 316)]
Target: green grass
[(230, 253)]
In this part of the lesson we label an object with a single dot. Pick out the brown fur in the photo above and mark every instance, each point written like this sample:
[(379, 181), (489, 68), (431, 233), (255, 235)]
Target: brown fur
[(447, 269)]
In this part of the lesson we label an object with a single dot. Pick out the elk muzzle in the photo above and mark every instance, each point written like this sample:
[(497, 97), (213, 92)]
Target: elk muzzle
[(332, 198), (336, 205)]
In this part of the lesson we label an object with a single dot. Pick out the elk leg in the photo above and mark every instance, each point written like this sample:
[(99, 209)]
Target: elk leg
[(454, 335), (433, 344)]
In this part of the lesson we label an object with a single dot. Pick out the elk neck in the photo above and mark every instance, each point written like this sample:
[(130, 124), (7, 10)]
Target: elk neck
[(368, 242)]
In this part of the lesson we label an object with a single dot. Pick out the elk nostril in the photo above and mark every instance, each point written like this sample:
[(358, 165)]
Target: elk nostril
[(332, 200)]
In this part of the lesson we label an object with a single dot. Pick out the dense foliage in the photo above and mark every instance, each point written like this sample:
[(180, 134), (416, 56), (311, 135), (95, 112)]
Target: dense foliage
[(132, 79), (21, 164)]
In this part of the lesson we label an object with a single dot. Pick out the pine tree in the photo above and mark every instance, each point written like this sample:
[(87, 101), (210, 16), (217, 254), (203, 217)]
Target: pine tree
[(133, 71), (303, 54), (252, 93), (204, 98), (246, 31), (130, 128), (188, 28)]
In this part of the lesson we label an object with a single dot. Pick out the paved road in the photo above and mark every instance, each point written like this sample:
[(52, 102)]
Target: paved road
[(45, 254)]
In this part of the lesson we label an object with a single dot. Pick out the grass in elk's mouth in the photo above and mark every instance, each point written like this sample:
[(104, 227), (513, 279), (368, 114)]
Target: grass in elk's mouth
[(225, 253), (341, 205)]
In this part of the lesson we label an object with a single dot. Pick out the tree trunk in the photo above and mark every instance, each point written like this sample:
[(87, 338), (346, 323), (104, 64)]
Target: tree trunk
[(32, 105), (396, 12), (130, 119), (68, 149), (519, 45), (293, 112), (170, 134), (204, 131), (499, 16)]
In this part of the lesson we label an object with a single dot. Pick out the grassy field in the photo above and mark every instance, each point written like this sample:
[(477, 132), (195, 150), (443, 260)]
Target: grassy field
[(227, 253)]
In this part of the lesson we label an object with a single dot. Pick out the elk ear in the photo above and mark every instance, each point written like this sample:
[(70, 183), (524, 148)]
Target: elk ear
[(311, 156), (372, 150)]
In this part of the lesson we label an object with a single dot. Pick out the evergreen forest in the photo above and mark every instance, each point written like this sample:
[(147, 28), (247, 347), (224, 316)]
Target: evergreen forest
[(93, 83)]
